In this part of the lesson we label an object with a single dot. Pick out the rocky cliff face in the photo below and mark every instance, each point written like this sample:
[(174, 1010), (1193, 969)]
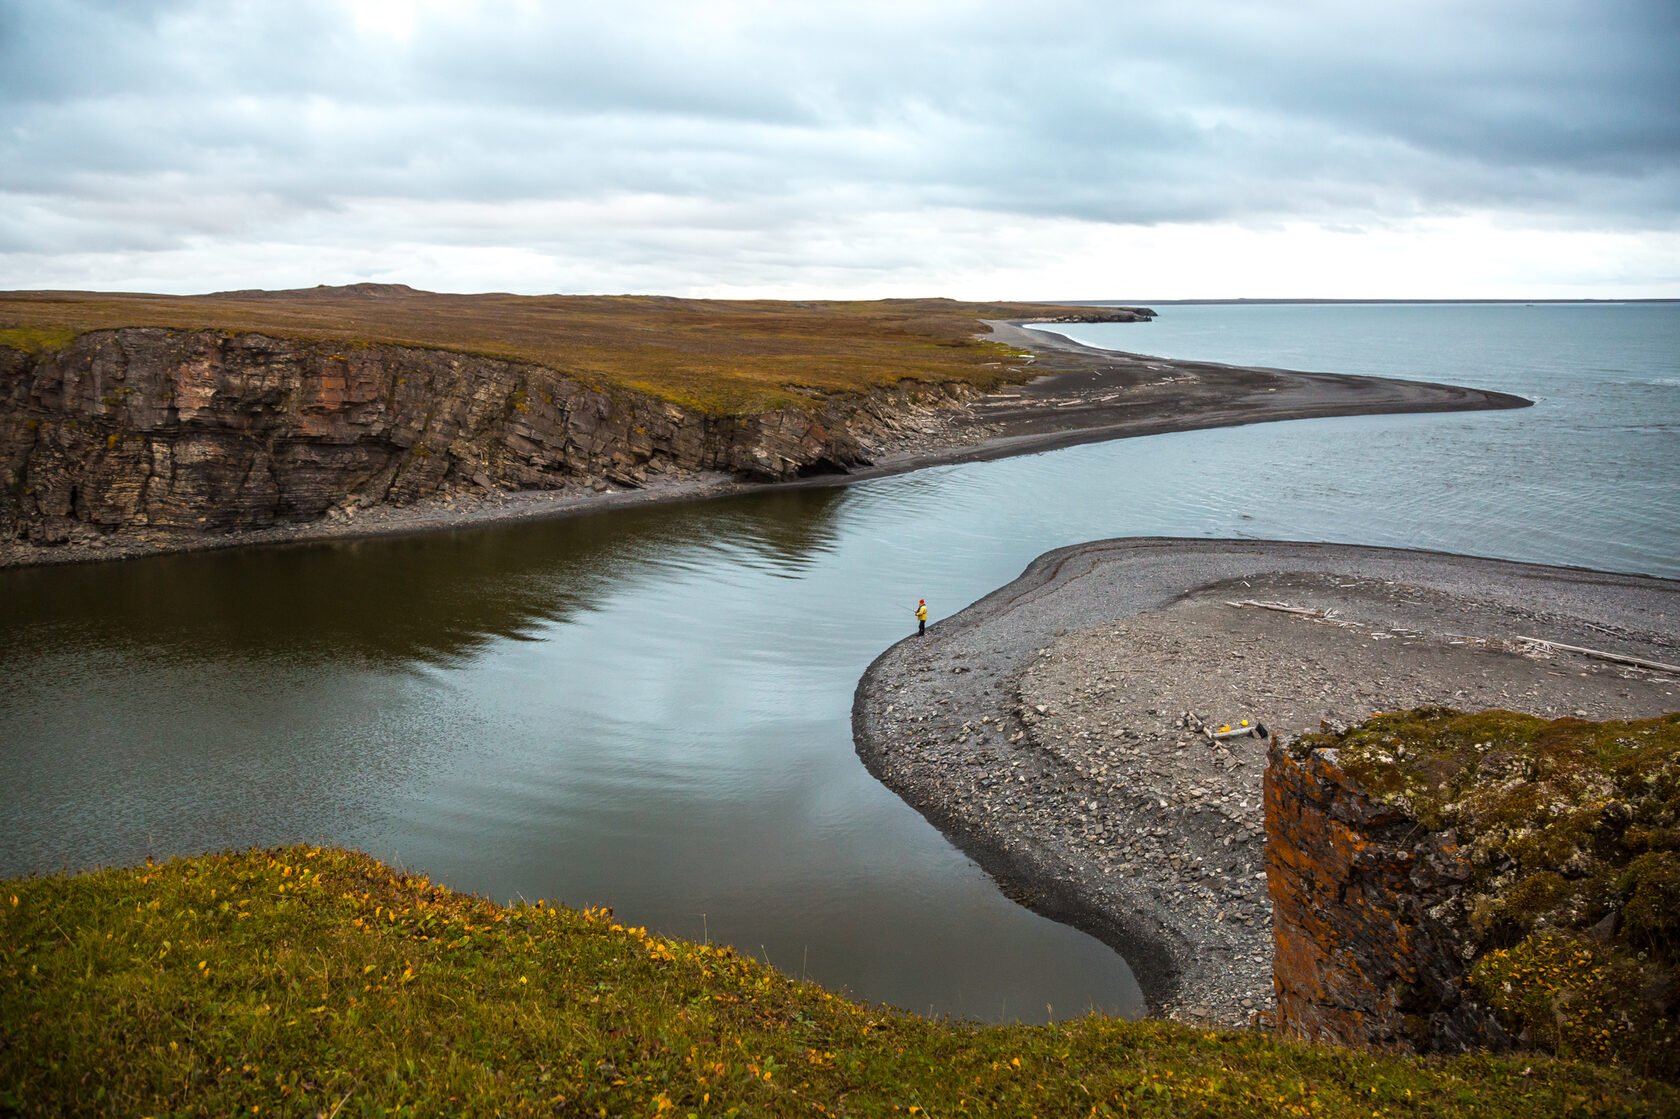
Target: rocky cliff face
[(1364, 915), (1443, 879), (162, 432)]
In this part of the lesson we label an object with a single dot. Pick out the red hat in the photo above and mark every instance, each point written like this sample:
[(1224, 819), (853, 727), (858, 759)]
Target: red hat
[(921, 600)]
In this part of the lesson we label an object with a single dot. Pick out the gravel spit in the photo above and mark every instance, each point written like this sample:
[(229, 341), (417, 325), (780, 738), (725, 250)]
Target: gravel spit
[(1051, 730)]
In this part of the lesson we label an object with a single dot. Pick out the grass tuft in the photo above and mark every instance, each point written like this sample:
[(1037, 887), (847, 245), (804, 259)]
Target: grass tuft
[(37, 339)]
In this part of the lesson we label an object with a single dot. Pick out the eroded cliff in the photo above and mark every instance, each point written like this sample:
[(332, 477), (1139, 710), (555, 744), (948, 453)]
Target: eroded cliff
[(166, 433), (1442, 881)]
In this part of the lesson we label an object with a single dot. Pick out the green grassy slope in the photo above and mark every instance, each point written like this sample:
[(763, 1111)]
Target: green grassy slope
[(304, 981)]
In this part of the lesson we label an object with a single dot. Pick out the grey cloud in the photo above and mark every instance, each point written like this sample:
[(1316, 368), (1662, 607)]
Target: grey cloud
[(1585, 85), (148, 124)]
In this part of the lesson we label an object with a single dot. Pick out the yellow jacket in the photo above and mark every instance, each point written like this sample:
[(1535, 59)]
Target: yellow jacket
[(921, 612)]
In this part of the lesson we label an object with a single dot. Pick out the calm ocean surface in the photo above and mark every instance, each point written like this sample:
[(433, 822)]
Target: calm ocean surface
[(1589, 476), (650, 708)]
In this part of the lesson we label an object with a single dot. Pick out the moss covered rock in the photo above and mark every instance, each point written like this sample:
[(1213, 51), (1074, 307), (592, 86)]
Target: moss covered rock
[(1570, 831)]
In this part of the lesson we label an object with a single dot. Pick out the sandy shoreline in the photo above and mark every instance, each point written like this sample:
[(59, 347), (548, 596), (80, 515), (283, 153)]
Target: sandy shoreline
[(1041, 728), (1085, 395)]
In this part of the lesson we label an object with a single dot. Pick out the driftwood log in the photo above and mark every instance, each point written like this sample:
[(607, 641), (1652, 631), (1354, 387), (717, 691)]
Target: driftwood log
[(1600, 654)]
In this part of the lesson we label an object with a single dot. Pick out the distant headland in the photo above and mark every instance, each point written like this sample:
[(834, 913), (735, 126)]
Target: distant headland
[(141, 423)]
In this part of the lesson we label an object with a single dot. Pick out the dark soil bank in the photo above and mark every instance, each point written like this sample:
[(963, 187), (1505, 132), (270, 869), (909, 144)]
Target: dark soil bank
[(1044, 728)]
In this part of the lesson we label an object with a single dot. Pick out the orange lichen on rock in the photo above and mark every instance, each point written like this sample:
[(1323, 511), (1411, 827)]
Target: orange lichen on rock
[(1444, 880), (1361, 954)]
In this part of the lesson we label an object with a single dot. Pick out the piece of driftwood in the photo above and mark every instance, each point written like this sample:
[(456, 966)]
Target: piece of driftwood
[(1618, 658), (1637, 662), (1284, 608)]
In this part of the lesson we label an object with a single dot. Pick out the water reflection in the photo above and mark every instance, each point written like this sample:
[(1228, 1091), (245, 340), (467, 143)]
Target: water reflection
[(646, 709), (435, 599)]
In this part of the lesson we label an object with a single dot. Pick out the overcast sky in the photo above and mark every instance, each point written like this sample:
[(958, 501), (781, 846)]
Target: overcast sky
[(1193, 148)]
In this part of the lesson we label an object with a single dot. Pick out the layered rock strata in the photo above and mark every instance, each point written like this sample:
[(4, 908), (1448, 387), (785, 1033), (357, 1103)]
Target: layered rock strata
[(132, 441), (1367, 915), (1445, 880), (161, 432)]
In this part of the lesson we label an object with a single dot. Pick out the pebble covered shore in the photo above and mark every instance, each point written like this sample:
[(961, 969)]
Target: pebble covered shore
[(1045, 731)]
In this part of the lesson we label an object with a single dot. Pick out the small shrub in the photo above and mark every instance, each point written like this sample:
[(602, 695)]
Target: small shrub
[(1537, 897), (1583, 1001)]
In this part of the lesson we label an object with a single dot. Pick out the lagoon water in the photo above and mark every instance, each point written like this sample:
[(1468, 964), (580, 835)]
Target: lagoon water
[(650, 708)]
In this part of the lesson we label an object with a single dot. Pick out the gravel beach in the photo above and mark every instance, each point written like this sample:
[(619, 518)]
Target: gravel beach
[(1044, 729)]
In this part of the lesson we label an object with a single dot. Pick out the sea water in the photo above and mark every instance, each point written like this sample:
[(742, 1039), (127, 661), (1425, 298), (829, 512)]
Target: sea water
[(1589, 476)]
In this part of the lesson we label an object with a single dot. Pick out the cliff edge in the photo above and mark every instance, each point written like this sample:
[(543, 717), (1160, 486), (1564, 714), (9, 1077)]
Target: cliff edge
[(135, 423), (160, 434), (1446, 881)]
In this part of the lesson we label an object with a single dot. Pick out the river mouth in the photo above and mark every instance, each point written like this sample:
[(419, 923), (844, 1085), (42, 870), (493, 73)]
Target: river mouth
[(649, 708)]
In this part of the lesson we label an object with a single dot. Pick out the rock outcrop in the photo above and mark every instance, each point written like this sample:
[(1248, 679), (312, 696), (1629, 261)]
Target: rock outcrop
[(1366, 950), (1443, 880), (161, 432)]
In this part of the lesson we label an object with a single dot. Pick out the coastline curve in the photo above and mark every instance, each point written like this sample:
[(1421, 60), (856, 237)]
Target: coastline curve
[(1043, 728), (1082, 395)]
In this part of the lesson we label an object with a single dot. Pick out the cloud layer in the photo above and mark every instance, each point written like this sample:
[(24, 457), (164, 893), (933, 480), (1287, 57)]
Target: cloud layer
[(847, 149)]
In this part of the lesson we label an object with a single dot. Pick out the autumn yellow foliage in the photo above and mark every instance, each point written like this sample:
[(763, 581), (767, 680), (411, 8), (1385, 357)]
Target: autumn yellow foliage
[(311, 981)]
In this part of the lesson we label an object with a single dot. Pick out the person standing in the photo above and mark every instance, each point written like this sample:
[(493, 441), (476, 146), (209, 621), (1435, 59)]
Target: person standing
[(921, 616)]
